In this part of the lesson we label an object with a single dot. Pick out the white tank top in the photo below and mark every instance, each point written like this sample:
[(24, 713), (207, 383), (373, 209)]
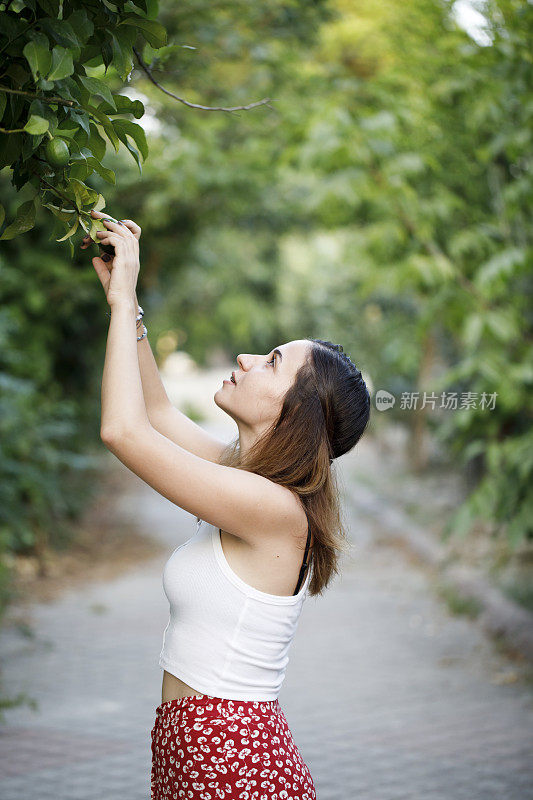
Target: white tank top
[(225, 638)]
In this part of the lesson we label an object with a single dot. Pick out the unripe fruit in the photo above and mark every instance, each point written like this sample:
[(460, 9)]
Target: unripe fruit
[(57, 152)]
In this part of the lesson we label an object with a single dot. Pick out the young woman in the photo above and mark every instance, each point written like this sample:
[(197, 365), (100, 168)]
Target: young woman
[(237, 586)]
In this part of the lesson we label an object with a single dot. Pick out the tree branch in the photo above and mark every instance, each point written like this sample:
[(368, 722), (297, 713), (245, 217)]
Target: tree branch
[(53, 188), (144, 67), (54, 100), (31, 25)]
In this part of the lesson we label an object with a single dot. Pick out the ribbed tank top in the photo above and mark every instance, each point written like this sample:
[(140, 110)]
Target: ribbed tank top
[(225, 638)]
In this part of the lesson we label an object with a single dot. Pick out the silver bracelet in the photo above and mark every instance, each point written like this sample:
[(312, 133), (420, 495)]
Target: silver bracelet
[(138, 322)]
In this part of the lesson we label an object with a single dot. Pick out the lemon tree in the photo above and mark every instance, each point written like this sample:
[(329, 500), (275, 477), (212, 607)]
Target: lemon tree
[(63, 65)]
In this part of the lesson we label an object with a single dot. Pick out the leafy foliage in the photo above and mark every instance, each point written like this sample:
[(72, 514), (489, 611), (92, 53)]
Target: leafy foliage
[(52, 313), (382, 200), (54, 56)]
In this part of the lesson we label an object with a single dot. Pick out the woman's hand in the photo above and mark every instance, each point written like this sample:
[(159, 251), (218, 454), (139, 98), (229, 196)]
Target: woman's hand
[(118, 275)]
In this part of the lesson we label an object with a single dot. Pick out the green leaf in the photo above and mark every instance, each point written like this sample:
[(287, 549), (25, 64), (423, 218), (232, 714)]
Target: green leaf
[(96, 143), (98, 87), (106, 125), (45, 85), (83, 194), (122, 60), (63, 33), (502, 324), (10, 148), (162, 54), (107, 174), (69, 89), (48, 6), (140, 4), (472, 330), (82, 120), (80, 169), (123, 105), (123, 138), (36, 125), (65, 215), (106, 49), (24, 220), (2, 214), (71, 231), (37, 53), (62, 65), (85, 225), (502, 266), (81, 23), (43, 110), (153, 31), (66, 129), (134, 153), (135, 131), (148, 53), (19, 72), (152, 9)]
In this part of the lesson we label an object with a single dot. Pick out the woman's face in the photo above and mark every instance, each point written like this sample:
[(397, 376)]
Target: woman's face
[(261, 382)]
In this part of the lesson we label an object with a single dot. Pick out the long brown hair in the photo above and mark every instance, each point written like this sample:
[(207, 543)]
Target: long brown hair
[(324, 414)]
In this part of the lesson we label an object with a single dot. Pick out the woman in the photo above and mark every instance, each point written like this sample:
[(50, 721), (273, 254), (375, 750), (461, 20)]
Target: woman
[(236, 588)]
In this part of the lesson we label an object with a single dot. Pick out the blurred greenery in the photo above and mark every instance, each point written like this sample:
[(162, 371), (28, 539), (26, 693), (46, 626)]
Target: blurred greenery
[(383, 199)]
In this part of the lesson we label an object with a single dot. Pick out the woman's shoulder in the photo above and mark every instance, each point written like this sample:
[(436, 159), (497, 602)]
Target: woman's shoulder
[(299, 523)]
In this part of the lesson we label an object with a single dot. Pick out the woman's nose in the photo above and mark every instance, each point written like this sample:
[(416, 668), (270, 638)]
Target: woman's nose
[(244, 360)]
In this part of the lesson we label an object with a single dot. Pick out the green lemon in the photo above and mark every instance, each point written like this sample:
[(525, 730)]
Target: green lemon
[(57, 152)]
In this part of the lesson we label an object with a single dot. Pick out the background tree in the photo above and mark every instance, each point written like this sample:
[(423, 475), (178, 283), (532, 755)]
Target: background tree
[(381, 198), (68, 69)]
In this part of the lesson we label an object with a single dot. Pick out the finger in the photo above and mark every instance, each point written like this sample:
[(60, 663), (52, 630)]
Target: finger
[(119, 228), (109, 237), (132, 226), (100, 214), (107, 218), (102, 270), (114, 226)]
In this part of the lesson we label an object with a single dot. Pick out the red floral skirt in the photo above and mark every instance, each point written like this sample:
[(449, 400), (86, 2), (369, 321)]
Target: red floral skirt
[(212, 748)]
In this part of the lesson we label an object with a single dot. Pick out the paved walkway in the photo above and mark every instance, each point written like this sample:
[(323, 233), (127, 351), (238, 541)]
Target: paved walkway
[(388, 696)]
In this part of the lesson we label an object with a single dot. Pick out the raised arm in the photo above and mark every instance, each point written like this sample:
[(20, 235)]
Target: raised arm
[(161, 414), (167, 419)]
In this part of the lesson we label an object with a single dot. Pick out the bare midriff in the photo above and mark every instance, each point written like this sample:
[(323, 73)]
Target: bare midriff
[(173, 688)]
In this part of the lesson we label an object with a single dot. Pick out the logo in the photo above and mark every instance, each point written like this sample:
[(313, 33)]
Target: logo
[(384, 400)]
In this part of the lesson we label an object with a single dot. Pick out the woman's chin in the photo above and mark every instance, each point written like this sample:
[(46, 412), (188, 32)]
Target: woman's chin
[(219, 400)]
